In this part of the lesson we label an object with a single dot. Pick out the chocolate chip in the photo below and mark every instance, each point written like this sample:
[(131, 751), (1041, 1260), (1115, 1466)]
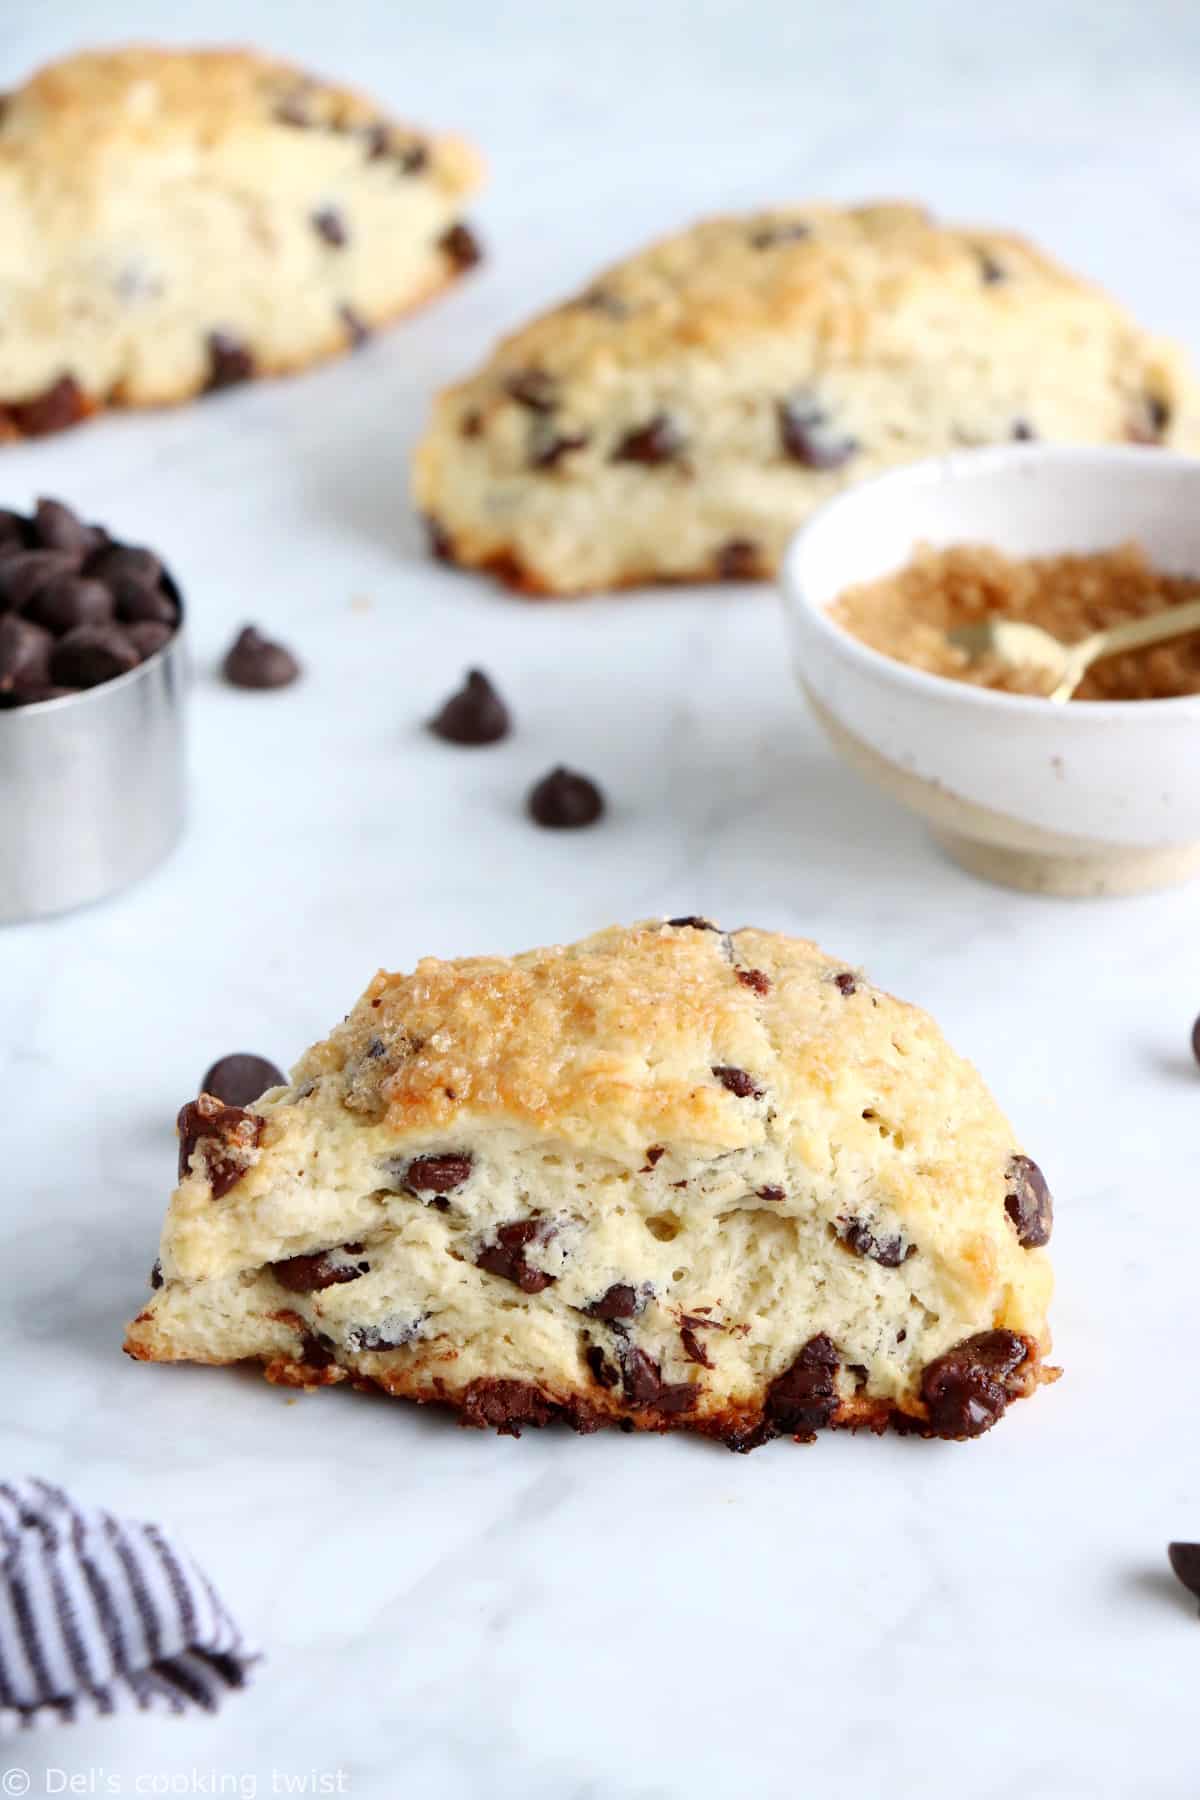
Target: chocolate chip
[(474, 715), (641, 1379), (1149, 424), (295, 111), (692, 922), (562, 801), (437, 1174), (316, 1350), (225, 1135), (845, 983), (509, 1406), (23, 574), (1196, 1040), (148, 637), (138, 604), (889, 1251), (56, 527), (739, 560), (25, 650), (91, 654), (312, 1274), (620, 1301), (602, 1370), (533, 388), (414, 159), (392, 1334), (806, 436), (329, 224), (441, 544), (462, 246), (768, 235), (377, 141), (1028, 1202), (229, 361), (506, 1256), (1185, 1562), (771, 1193), (256, 662), (990, 271), (603, 300), (156, 1274), (754, 978), (70, 600), (60, 405), (357, 331), (737, 1081), (1023, 432), (548, 447), (693, 1349), (655, 1154), (14, 530), (238, 1079), (115, 563), (471, 424), (804, 1398), (968, 1388), (660, 440)]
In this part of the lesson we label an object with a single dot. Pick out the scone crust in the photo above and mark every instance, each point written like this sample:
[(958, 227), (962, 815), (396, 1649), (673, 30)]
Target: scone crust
[(901, 336), (151, 198), (656, 1095)]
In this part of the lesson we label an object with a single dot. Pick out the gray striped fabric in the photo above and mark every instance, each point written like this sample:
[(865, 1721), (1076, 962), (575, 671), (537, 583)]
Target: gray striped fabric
[(99, 1615)]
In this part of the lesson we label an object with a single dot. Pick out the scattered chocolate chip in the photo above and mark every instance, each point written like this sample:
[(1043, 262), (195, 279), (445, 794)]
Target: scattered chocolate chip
[(771, 1193), (740, 559), (620, 1301), (1028, 1202), (148, 638), (766, 236), (229, 361), (804, 1398), (91, 654), (57, 527), (60, 405), (474, 715), (990, 271), (23, 574), (889, 1251), (329, 224), (562, 801), (806, 437), (641, 1379), (25, 650), (548, 447), (754, 978), (602, 1370), (156, 1274), (437, 1174), (441, 544), (968, 1388), (693, 1349), (311, 1274), (69, 600), (462, 246), (692, 922), (845, 983), (737, 1081), (357, 331), (660, 440), (227, 1133), (1185, 1562), (1023, 432), (506, 1256), (533, 388), (256, 662), (238, 1079)]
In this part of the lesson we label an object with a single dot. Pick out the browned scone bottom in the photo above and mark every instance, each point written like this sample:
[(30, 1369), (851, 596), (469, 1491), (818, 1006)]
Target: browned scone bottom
[(669, 1178)]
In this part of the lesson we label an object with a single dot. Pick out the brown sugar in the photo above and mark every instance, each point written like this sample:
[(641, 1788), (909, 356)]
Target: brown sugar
[(906, 616)]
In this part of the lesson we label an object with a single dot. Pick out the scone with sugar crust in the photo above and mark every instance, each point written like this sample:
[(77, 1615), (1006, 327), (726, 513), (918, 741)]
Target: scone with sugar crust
[(683, 415), (178, 220), (668, 1177)]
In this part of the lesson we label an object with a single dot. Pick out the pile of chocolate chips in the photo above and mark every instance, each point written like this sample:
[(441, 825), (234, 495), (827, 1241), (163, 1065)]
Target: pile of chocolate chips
[(76, 607)]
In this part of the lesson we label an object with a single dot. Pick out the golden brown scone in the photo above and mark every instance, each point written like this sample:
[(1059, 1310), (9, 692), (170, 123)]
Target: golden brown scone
[(685, 413), (177, 220), (667, 1177)]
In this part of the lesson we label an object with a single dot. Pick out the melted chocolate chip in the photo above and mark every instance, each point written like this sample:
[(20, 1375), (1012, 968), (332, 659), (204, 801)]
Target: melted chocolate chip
[(60, 405), (548, 447), (1023, 432), (474, 715), (311, 1274), (990, 271), (1028, 1202), (1185, 1562), (603, 1372), (845, 983), (693, 1349), (563, 801), (229, 361), (643, 1385), (968, 1388), (620, 1301), (659, 440), (1151, 422), (462, 246), (805, 434), (392, 1334), (766, 236), (330, 226), (91, 654), (317, 1350), (239, 1079), (506, 1256), (509, 1406), (889, 1251), (692, 922), (737, 1081), (754, 978), (224, 1134), (771, 1193), (655, 1154), (804, 1398), (254, 661), (414, 158), (69, 600), (740, 559), (437, 1174), (533, 388)]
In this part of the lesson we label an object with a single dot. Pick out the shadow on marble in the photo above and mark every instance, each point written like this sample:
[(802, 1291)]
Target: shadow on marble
[(1160, 1586)]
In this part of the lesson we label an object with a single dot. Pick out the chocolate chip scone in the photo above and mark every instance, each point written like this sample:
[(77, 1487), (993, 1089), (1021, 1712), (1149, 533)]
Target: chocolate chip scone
[(683, 415), (668, 1177), (180, 220)]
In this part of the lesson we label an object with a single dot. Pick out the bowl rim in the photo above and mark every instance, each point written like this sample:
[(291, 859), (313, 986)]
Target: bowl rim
[(947, 468)]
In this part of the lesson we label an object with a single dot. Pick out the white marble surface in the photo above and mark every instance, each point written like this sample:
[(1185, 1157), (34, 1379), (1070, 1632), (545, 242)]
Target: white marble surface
[(453, 1616)]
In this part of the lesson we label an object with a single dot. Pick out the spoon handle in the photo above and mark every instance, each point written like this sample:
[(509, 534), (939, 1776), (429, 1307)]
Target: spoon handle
[(1135, 634)]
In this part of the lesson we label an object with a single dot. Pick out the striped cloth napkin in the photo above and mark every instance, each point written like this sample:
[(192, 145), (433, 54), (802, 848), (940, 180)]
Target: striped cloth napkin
[(99, 1615)]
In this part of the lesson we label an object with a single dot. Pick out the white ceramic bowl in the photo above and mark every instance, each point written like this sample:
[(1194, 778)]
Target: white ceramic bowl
[(1094, 797)]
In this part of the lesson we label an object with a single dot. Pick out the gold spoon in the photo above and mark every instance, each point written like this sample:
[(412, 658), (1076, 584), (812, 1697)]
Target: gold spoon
[(1029, 647)]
